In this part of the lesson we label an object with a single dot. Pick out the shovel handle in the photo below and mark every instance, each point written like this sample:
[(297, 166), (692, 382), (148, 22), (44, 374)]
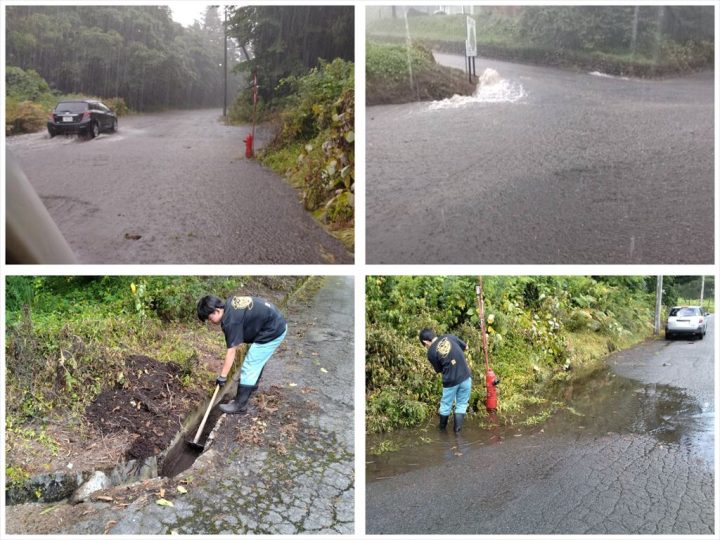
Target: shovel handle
[(207, 413)]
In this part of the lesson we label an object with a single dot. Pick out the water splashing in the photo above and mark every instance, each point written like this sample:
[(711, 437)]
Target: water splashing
[(491, 88), (607, 76)]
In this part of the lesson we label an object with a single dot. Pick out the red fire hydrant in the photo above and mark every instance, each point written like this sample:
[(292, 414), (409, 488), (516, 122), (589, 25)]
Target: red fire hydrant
[(491, 381), (248, 146)]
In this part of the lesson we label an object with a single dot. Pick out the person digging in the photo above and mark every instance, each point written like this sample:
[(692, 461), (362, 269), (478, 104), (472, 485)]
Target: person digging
[(244, 319), (446, 355)]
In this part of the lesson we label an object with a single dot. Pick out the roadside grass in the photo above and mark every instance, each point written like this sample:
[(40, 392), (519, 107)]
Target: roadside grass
[(314, 147), (396, 73), (501, 38), (67, 338), (708, 303)]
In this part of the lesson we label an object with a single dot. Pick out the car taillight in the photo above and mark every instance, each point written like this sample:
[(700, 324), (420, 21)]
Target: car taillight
[(86, 115), (701, 320), (51, 117)]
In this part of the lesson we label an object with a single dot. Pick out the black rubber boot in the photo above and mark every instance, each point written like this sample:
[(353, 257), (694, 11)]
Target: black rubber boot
[(458, 422), (239, 404), (443, 422), (257, 383)]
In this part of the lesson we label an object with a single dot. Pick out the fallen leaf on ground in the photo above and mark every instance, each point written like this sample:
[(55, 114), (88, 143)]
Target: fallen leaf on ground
[(292, 385), (181, 489), (50, 509), (104, 498), (109, 525), (164, 502), (323, 370)]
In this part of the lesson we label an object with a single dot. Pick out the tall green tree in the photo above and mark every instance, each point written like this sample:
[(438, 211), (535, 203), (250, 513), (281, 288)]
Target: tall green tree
[(289, 40), (134, 52)]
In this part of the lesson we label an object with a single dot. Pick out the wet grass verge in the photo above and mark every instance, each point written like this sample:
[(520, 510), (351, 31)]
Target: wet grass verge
[(398, 74), (625, 65)]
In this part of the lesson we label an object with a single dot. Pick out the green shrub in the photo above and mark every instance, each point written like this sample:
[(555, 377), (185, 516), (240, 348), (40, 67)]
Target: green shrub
[(118, 105), (399, 74), (24, 85), (315, 143), (24, 117), (538, 329)]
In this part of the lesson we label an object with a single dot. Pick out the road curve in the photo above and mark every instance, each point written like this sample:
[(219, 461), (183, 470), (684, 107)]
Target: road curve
[(582, 169), (171, 188)]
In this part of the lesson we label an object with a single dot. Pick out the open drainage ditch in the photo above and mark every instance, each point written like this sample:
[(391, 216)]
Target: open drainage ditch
[(180, 455), (177, 457)]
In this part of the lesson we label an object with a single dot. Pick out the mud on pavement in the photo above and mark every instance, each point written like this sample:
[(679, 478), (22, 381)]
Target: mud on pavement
[(284, 467)]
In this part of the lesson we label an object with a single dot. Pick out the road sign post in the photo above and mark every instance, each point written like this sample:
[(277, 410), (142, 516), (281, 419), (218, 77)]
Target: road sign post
[(470, 48)]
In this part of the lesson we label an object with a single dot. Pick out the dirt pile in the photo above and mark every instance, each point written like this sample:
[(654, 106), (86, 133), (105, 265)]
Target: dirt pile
[(149, 400)]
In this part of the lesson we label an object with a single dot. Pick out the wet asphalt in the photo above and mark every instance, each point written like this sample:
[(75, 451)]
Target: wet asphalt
[(582, 170), (172, 188), (632, 454)]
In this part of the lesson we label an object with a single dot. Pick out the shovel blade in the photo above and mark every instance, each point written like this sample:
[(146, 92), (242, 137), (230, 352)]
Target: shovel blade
[(195, 446)]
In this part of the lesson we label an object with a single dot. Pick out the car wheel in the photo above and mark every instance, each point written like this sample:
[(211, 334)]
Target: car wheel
[(94, 130), (114, 126), (701, 335), (668, 335), (52, 133)]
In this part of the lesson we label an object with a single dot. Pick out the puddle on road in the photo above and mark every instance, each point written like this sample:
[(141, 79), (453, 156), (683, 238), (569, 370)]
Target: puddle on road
[(491, 88), (601, 405)]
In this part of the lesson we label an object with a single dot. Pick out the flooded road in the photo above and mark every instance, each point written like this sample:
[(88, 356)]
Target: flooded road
[(173, 187), (546, 166), (632, 453)]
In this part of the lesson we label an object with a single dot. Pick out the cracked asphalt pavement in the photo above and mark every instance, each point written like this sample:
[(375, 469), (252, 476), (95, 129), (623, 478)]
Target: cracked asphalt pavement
[(633, 454)]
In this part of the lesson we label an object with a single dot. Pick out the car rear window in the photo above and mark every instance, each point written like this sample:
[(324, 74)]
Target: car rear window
[(71, 107), (684, 312)]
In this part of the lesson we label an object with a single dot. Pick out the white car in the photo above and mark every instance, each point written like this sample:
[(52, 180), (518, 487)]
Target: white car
[(686, 320)]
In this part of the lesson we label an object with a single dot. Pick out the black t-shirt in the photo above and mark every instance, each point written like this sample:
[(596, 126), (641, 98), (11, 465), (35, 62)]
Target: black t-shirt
[(249, 319), (446, 356)]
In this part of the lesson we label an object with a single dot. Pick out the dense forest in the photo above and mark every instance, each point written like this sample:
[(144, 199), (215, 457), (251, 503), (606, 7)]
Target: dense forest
[(134, 52), (291, 40), (541, 330)]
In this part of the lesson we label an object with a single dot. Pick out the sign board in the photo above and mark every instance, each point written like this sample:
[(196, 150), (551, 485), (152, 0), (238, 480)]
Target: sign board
[(471, 41)]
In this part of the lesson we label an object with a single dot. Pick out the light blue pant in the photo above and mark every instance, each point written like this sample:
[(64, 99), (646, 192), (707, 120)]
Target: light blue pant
[(460, 394), (256, 357)]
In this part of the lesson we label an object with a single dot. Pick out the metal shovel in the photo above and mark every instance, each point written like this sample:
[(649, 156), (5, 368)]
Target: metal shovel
[(194, 443)]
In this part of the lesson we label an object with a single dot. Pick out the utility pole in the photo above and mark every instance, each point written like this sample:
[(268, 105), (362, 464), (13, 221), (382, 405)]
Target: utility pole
[(658, 32), (658, 304), (633, 42), (702, 290), (225, 61)]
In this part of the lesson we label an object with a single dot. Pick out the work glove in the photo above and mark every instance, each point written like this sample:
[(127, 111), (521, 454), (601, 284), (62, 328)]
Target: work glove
[(220, 381)]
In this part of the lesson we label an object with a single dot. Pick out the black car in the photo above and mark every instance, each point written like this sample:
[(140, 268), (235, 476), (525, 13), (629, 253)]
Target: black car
[(83, 116)]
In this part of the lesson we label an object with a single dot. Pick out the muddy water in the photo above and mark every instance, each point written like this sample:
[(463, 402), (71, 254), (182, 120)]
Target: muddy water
[(605, 403)]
